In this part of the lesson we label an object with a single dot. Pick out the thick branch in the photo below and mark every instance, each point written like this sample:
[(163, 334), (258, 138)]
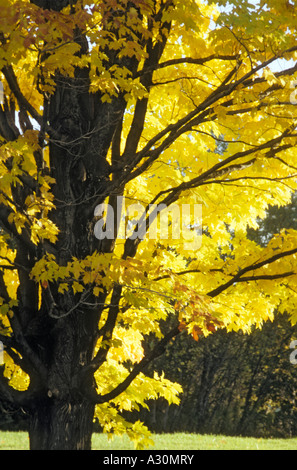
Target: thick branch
[(146, 79), (106, 331), (26, 350), (7, 131)]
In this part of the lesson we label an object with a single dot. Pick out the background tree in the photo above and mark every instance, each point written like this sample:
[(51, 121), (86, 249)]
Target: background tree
[(233, 384), (85, 119)]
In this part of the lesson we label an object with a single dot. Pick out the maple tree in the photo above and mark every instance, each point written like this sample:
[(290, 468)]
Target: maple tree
[(128, 100)]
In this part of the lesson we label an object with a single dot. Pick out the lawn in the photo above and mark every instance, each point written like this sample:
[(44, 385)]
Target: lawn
[(177, 441)]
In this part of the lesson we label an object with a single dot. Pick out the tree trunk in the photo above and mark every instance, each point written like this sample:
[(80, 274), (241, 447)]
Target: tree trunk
[(61, 425), (62, 415)]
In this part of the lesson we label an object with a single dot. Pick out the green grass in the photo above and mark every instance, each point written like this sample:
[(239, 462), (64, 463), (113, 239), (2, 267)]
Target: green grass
[(183, 441), (14, 440), (177, 441)]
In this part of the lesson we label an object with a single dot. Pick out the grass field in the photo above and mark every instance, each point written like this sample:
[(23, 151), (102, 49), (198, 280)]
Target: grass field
[(20, 441)]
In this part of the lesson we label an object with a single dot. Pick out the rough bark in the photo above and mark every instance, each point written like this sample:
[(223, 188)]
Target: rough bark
[(62, 415), (61, 425)]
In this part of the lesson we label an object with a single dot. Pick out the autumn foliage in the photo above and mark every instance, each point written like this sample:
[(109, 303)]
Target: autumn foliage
[(132, 99)]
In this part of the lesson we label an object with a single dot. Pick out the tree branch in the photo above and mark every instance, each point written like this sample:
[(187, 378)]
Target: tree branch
[(266, 277), (158, 350), (11, 79), (11, 395), (184, 60), (186, 271), (252, 267), (193, 118), (25, 350), (106, 331), (4, 214)]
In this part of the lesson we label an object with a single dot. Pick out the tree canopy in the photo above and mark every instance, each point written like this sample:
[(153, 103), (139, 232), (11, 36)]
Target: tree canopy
[(129, 103)]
